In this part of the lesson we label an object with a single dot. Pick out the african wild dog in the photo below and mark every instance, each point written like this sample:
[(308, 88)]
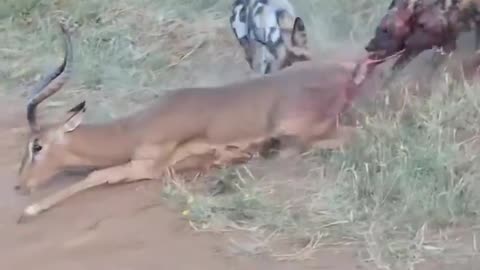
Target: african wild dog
[(270, 34), (419, 25)]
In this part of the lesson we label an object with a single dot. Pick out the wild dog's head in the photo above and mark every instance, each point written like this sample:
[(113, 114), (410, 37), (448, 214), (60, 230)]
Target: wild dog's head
[(410, 25), (268, 57), (417, 25), (429, 30), (272, 38), (393, 29)]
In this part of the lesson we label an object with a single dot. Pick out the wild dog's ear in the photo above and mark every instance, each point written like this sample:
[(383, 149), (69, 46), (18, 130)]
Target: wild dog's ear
[(299, 34), (74, 117), (392, 4)]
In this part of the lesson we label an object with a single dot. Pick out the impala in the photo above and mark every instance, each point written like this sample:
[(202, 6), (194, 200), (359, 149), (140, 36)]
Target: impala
[(297, 106)]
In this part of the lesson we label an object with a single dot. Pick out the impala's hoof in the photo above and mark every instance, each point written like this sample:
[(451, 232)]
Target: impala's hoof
[(30, 211)]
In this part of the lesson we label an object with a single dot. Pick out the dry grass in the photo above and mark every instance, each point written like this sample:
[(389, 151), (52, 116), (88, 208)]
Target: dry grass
[(400, 193)]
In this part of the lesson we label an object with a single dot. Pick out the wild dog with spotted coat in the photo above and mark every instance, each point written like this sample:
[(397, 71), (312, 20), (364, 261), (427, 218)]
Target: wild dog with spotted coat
[(270, 34), (419, 25)]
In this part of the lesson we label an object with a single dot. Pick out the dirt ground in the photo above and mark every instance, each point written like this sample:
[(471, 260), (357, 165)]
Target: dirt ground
[(113, 227)]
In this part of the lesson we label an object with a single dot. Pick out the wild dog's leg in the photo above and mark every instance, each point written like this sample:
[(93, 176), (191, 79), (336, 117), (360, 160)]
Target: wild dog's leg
[(441, 55), (405, 59), (438, 58), (400, 64), (477, 35), (132, 171), (234, 154)]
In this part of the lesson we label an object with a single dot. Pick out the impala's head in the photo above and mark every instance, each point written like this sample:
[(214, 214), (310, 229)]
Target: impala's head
[(43, 154)]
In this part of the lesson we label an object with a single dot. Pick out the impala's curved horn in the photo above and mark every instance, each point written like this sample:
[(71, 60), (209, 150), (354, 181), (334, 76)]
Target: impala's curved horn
[(52, 83)]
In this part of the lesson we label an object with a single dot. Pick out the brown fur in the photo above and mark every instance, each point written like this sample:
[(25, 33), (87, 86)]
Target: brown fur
[(298, 106)]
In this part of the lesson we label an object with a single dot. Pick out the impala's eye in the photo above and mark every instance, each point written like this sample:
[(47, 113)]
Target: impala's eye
[(36, 147)]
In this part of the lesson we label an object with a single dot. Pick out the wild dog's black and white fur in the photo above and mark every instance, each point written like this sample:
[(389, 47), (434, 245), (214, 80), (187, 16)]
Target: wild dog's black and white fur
[(270, 34)]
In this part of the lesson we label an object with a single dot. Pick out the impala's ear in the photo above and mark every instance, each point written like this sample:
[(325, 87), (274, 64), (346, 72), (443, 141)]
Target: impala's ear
[(74, 117), (392, 4), (299, 34)]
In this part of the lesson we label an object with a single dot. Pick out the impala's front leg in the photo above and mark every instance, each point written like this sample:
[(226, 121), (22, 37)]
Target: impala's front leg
[(477, 35), (129, 172)]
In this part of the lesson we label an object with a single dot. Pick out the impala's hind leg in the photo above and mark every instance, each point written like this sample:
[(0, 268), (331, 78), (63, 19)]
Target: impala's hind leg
[(199, 163), (336, 139), (298, 136), (129, 172), (290, 145), (233, 154), (201, 154), (324, 135)]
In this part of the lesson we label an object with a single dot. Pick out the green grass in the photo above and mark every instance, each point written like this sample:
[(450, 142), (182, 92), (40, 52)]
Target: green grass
[(411, 176)]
